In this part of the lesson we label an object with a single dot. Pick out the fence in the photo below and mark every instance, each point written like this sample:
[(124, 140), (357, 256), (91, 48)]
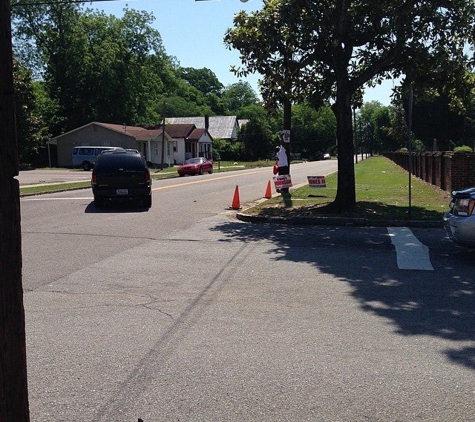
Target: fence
[(446, 169)]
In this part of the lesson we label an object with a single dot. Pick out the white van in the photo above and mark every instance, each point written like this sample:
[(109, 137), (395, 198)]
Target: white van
[(85, 156)]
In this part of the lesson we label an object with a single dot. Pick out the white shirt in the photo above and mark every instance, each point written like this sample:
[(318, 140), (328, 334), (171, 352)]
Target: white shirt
[(282, 157)]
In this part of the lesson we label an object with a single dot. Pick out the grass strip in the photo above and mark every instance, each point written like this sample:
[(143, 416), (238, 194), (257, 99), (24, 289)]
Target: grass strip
[(382, 192), (59, 187)]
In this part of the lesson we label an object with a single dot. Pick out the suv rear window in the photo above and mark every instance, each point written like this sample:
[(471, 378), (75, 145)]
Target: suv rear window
[(124, 161)]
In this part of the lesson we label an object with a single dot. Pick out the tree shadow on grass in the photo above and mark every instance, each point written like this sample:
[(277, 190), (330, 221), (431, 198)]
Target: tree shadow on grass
[(368, 210), (416, 302)]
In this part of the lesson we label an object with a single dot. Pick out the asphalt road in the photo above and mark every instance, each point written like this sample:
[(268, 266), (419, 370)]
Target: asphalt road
[(184, 313)]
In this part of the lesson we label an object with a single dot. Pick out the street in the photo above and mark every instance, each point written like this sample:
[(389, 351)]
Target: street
[(184, 313)]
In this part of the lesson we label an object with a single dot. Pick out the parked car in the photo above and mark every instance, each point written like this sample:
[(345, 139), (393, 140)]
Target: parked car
[(121, 176), (459, 222), (317, 157), (85, 156), (326, 156), (197, 165)]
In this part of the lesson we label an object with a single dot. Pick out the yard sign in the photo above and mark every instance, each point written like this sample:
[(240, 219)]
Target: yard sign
[(316, 181), (282, 181)]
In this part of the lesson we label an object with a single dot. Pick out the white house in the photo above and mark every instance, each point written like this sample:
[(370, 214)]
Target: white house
[(189, 141)]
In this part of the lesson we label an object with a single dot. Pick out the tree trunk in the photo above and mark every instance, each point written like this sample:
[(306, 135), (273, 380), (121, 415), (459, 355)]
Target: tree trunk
[(345, 196), (13, 374)]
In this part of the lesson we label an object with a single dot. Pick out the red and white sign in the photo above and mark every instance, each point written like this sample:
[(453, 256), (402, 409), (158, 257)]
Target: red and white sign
[(317, 181), (282, 181)]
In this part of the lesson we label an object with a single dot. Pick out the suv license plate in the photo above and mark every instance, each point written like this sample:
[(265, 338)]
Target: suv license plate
[(121, 192)]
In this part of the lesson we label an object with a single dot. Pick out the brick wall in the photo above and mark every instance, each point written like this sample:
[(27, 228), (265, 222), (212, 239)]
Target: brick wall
[(445, 169)]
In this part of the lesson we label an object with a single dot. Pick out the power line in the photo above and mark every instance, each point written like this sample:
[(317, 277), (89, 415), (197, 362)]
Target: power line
[(52, 2)]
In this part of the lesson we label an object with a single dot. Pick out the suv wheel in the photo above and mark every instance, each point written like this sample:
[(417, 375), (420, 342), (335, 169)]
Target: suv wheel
[(98, 202), (147, 201)]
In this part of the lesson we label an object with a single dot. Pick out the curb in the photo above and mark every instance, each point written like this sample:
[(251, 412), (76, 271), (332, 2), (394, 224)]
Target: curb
[(338, 221)]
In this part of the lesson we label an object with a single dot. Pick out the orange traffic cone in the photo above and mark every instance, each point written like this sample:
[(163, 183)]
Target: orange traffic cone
[(236, 205), (268, 194)]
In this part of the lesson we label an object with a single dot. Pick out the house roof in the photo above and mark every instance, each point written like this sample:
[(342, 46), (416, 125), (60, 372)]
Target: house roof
[(219, 126), (135, 131), (179, 130), (186, 131), (196, 134)]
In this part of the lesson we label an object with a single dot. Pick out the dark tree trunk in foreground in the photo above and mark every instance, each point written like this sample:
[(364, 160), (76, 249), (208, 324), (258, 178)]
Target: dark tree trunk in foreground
[(346, 193), (13, 376)]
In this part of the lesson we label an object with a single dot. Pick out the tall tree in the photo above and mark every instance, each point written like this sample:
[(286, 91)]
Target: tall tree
[(203, 79), (434, 120), (30, 126), (45, 40), (94, 67), (258, 133), (238, 95), (13, 373), (313, 130), (382, 120), (332, 48)]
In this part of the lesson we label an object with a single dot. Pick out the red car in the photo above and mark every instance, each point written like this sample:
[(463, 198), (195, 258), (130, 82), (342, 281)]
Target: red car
[(198, 165)]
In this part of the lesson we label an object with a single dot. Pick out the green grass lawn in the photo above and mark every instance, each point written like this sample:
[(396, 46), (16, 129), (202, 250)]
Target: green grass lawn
[(381, 193)]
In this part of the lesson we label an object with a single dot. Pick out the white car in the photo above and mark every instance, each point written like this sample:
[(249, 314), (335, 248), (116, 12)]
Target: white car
[(459, 222)]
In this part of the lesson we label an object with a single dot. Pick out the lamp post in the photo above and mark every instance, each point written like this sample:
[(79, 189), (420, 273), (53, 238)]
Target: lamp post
[(409, 146)]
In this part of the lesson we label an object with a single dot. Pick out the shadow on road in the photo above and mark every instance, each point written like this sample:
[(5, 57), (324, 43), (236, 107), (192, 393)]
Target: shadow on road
[(416, 302)]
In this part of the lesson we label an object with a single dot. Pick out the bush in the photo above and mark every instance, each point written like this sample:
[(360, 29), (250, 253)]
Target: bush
[(463, 149)]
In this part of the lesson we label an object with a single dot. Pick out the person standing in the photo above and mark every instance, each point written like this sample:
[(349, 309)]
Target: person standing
[(282, 160), (283, 164)]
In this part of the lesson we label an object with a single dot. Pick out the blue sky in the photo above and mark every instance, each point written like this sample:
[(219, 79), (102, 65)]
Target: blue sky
[(193, 32)]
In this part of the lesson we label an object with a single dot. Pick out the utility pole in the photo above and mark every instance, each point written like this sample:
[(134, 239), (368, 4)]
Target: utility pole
[(13, 375), (163, 136), (285, 142)]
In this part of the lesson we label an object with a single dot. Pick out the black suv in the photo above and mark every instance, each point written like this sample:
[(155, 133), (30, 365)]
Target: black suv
[(120, 176)]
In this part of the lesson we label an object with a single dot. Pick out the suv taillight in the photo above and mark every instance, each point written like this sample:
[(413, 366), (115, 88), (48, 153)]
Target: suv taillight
[(94, 179), (147, 176)]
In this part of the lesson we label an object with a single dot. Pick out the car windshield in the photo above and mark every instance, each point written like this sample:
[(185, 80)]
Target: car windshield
[(193, 161)]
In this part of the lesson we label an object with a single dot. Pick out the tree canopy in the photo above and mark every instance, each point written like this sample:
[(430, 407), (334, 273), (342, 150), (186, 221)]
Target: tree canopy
[(329, 49), (97, 67)]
